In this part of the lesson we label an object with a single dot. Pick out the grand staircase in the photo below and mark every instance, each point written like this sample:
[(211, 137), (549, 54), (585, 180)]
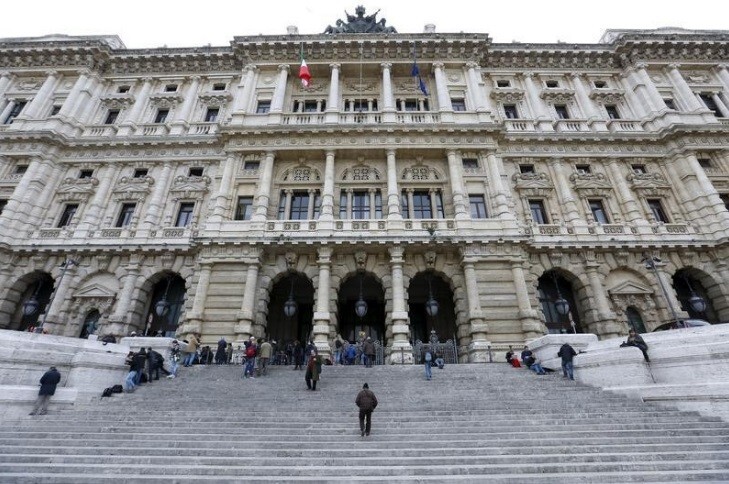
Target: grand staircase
[(477, 423)]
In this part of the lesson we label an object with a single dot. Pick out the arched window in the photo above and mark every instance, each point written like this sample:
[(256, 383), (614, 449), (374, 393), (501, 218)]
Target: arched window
[(90, 323), (634, 319)]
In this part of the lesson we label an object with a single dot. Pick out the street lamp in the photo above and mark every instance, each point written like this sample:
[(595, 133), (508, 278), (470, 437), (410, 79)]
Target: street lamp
[(31, 305), (561, 305), (290, 305), (64, 268), (697, 303), (650, 263), (360, 307), (163, 306), (431, 305)]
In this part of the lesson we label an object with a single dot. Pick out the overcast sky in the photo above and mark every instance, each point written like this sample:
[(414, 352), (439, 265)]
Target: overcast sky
[(188, 23)]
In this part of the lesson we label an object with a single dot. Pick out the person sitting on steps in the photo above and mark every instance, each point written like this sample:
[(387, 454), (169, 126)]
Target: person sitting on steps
[(636, 340)]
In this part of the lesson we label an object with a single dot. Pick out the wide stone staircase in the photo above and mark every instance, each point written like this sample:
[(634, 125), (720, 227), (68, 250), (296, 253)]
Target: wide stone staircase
[(477, 423)]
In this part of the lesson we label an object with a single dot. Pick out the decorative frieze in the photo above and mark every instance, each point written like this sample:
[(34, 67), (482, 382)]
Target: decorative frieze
[(77, 189)]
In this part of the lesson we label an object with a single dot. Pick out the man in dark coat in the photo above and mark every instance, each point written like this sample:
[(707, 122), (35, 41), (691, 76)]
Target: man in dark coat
[(48, 383), (567, 353), (636, 340), (367, 402), (368, 348)]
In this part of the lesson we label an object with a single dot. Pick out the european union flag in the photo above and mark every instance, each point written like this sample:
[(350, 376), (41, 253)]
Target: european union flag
[(415, 72)]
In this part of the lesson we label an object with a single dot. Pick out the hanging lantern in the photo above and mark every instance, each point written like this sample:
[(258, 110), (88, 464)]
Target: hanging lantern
[(163, 307), (31, 305), (290, 305), (360, 307), (697, 303), (562, 306)]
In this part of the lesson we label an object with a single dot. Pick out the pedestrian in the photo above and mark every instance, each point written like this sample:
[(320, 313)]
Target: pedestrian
[(229, 353), (428, 360), (509, 354), (313, 369), (636, 340), (567, 353), (367, 402), (368, 348), (191, 352), (298, 352), (130, 382), (174, 359), (220, 356), (439, 361), (536, 366), (48, 383), (140, 361), (250, 358), (265, 352), (152, 368), (338, 344)]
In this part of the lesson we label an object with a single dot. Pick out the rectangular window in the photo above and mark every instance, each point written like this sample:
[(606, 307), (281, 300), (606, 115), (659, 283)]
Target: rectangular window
[(161, 116), (598, 211), (552, 84), (656, 208), (15, 111), (21, 169), (111, 116), (725, 199), (562, 112), (184, 216), (599, 84), (612, 112), (55, 110), (470, 163), (125, 214), (309, 106), (343, 205), (212, 115), (539, 215), (711, 105), (86, 173), (583, 169), (123, 89), (299, 206), (404, 205), (704, 163), (171, 88), (639, 169), (140, 172), (526, 168), (68, 212), (410, 105), (3, 203), (478, 206), (195, 171), (503, 83), (263, 106), (421, 205), (219, 86), (360, 205), (251, 165), (360, 105), (244, 210), (458, 104), (510, 111), (670, 103)]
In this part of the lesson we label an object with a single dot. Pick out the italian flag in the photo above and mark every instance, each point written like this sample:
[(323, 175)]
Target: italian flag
[(304, 73)]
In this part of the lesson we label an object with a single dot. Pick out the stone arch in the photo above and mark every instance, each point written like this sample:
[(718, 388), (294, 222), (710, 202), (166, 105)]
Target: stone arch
[(572, 289), (38, 283), (691, 280), (373, 323), (149, 277)]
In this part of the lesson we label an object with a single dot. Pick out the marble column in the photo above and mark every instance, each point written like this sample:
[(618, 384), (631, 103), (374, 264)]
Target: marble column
[(247, 313), (5, 79), (263, 193), (500, 198), (332, 109), (279, 94), (654, 97), (393, 193), (722, 72), (120, 319), (15, 216), (562, 184), (605, 324), (531, 324), (388, 100), (54, 325), (42, 97), (47, 185), (475, 93), (201, 292), (441, 87), (583, 99), (71, 103), (401, 351), (322, 316), (455, 172), (223, 197), (627, 201), (689, 98), (327, 195), (706, 196), (478, 350), (157, 201), (134, 113), (182, 116), (107, 176), (244, 94)]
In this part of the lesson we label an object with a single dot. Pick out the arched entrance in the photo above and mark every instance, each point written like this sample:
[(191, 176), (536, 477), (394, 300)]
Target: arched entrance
[(168, 299), (693, 296), (289, 322), (91, 322), (425, 288), (366, 287), (33, 302), (635, 320), (558, 303)]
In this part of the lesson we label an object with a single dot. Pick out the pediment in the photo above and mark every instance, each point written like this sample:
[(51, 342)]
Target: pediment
[(586, 181), (630, 288), (94, 291), (191, 184), (78, 185), (527, 181)]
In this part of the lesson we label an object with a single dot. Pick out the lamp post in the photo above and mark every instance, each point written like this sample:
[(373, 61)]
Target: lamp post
[(561, 305), (64, 268), (697, 303), (31, 305), (650, 263)]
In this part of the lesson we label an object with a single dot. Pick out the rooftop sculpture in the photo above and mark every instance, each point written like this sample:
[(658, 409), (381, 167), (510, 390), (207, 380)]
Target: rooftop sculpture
[(360, 24)]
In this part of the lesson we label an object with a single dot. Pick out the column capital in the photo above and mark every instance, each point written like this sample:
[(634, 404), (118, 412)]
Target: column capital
[(386, 65), (284, 67), (7, 74), (472, 65), (673, 66), (396, 254), (147, 79), (450, 153), (391, 152), (194, 78), (325, 255), (641, 65), (330, 153), (84, 71), (438, 65), (527, 75), (51, 73), (250, 68), (335, 66), (721, 67), (577, 75)]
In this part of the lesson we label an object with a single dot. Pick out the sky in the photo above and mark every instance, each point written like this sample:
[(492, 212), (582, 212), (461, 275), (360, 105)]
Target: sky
[(194, 23)]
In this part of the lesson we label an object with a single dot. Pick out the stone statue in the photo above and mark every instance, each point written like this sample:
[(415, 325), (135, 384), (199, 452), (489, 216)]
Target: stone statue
[(360, 24)]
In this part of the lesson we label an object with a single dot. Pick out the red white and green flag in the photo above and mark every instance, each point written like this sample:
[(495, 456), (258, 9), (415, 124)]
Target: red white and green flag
[(304, 73)]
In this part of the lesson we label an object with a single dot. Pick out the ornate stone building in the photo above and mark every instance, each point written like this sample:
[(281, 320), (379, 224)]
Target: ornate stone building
[(205, 190)]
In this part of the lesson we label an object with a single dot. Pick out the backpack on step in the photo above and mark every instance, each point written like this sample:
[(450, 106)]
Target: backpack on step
[(117, 389), (107, 392)]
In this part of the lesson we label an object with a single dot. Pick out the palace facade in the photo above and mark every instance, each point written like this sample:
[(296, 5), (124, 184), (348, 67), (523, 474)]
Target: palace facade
[(507, 191)]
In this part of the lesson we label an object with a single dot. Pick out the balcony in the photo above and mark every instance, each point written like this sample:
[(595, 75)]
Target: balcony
[(417, 118), (517, 125), (360, 118), (103, 130), (303, 119), (154, 129), (624, 126), (571, 126)]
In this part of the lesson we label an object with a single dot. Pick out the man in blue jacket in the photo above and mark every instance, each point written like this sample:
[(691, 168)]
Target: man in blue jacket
[(48, 383)]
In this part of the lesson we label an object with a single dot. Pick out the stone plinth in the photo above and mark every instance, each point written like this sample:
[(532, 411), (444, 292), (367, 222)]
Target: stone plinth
[(546, 347)]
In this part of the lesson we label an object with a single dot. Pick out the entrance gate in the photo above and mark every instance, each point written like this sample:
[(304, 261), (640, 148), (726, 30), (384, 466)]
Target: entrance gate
[(448, 350)]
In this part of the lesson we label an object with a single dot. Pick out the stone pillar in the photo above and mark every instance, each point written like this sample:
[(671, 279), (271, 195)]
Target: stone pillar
[(247, 314), (561, 182), (244, 93), (500, 195), (182, 116), (35, 106), (332, 110), (15, 216), (605, 324), (156, 202), (539, 110), (201, 293), (287, 206), (689, 98), (107, 176), (473, 85), (47, 186), (587, 105), (478, 350), (393, 194), (263, 193), (665, 300), (401, 351), (322, 317), (531, 324), (723, 109), (705, 196), (388, 101), (223, 196), (722, 72), (327, 195), (654, 97), (626, 200), (441, 87), (279, 94), (120, 319), (60, 292), (72, 101), (455, 166), (5, 80), (129, 124)]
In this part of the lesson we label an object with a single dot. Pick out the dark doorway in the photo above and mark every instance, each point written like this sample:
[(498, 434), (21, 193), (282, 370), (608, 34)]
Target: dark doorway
[(34, 301), (168, 299), (554, 291), (689, 292), (298, 326), (372, 324), (91, 322), (427, 286)]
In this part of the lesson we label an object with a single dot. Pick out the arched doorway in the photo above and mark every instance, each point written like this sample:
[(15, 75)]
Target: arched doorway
[(558, 304), (425, 288), (33, 302), (635, 321), (91, 322), (168, 299), (289, 322), (693, 297), (367, 288)]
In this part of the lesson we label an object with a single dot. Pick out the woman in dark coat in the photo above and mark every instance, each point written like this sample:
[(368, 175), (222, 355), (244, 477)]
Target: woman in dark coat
[(48, 383), (313, 369)]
